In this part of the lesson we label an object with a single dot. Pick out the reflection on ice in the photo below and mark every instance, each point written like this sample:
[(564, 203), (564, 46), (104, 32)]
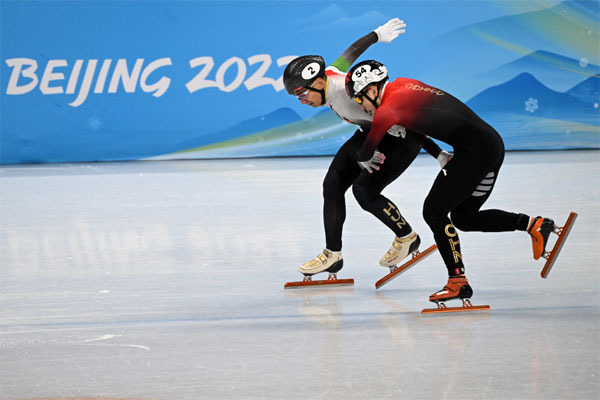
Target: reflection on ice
[(164, 280)]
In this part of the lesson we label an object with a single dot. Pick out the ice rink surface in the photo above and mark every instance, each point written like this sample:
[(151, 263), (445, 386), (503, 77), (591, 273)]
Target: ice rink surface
[(164, 280)]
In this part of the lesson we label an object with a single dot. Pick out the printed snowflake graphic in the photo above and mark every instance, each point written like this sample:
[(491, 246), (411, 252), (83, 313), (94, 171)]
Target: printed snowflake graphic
[(95, 123), (583, 62), (531, 105)]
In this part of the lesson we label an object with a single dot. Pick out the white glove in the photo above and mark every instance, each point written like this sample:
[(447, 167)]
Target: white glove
[(373, 164), (390, 30), (397, 131), (443, 158)]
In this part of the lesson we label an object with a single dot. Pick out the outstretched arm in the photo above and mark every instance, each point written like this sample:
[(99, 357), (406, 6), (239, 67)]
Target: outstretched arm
[(385, 33)]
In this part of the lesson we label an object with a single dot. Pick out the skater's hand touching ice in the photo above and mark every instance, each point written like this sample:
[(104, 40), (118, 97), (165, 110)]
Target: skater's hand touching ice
[(390, 30), (374, 163)]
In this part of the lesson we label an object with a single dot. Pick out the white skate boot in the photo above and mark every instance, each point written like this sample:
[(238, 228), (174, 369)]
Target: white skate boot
[(330, 261), (400, 249)]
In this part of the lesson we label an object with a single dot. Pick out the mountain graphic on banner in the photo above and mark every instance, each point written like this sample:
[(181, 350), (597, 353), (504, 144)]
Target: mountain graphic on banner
[(588, 90), (321, 134), (555, 70), (526, 95), (530, 116), (503, 47), (279, 117)]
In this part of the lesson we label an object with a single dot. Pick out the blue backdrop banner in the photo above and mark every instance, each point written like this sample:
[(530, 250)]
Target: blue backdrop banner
[(126, 80)]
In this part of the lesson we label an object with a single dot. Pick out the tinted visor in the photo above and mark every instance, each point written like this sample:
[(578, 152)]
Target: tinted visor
[(302, 92)]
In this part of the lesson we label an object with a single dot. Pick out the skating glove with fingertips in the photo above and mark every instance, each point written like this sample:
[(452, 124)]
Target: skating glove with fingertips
[(390, 30), (373, 163)]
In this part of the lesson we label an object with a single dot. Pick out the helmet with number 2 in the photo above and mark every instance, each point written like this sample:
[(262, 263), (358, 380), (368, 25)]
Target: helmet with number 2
[(364, 74), (301, 72)]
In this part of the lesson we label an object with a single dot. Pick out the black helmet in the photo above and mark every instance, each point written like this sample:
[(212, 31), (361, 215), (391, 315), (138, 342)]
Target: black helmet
[(364, 74), (301, 72)]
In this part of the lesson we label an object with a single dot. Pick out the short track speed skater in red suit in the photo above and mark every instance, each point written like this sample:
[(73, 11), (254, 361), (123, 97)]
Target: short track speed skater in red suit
[(464, 184)]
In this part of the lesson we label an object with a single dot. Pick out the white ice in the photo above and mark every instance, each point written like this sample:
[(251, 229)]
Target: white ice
[(164, 280)]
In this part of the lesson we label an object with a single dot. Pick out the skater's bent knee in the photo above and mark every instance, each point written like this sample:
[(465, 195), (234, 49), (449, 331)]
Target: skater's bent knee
[(361, 195), (433, 214), (462, 221)]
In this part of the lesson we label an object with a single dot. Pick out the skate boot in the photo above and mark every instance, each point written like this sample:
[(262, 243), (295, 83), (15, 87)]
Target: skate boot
[(456, 288), (330, 261), (540, 229), (400, 249)]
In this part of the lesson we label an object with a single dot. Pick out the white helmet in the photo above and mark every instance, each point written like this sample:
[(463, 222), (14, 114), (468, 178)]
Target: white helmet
[(364, 74)]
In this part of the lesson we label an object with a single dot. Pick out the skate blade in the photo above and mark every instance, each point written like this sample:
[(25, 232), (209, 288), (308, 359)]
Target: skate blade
[(416, 257), (562, 236), (320, 283), (454, 309)]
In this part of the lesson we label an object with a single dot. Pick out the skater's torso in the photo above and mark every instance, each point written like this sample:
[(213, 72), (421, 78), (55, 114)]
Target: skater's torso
[(428, 111), (340, 102)]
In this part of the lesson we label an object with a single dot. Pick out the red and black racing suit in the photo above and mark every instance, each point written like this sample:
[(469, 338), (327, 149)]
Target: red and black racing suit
[(466, 182)]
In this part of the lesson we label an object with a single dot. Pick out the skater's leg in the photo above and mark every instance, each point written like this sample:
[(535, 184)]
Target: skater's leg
[(467, 216), (453, 185), (471, 173), (340, 175), (400, 153), (342, 172)]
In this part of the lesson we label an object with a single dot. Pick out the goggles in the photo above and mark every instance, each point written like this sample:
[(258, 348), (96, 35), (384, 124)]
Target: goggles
[(301, 95), (302, 92)]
